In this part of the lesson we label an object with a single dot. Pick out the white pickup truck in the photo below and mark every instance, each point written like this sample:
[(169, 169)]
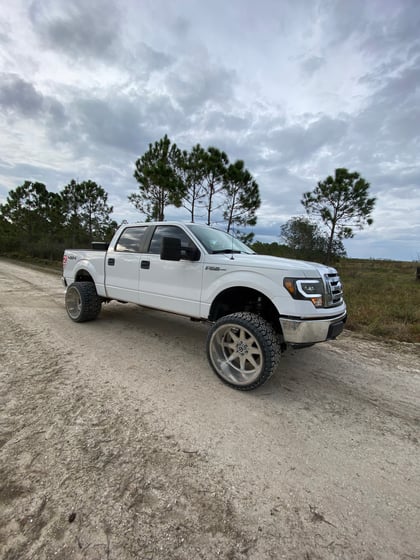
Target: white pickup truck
[(257, 305)]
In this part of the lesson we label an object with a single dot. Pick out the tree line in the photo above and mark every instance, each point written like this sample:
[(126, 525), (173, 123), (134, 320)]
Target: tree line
[(38, 223), (211, 189)]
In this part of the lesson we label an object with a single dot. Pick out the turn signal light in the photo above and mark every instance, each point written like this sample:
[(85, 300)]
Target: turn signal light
[(290, 286)]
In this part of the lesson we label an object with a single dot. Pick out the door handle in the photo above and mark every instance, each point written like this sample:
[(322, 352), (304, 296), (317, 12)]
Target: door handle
[(145, 264), (111, 262)]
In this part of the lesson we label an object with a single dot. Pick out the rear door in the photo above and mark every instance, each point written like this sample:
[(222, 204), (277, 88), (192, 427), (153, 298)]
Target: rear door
[(122, 265), (171, 285)]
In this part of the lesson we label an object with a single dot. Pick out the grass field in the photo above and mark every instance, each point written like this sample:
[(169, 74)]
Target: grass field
[(383, 298)]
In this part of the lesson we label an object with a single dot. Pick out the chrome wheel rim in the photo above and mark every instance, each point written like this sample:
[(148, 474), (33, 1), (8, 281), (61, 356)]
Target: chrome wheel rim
[(236, 354), (73, 303)]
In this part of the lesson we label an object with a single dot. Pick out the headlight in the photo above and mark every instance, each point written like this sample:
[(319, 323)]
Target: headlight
[(307, 289)]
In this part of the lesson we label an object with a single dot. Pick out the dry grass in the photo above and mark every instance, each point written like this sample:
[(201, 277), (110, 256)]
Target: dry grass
[(383, 298)]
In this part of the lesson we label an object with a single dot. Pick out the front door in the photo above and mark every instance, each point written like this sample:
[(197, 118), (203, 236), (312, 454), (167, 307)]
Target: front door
[(171, 285)]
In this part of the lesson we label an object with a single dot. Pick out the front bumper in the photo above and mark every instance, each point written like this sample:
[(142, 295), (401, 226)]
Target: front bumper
[(309, 331)]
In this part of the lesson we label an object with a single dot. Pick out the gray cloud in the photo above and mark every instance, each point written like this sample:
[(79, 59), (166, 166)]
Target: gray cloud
[(402, 183), (92, 33), (402, 87), (180, 27), (297, 142), (397, 25), (17, 95), (311, 65), (196, 82), (5, 31), (123, 122), (343, 20), (382, 30), (149, 59), (78, 28), (113, 123), (391, 111), (4, 38), (43, 174), (19, 98)]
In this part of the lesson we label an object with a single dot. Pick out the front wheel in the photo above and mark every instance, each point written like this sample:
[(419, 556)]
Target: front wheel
[(82, 302), (242, 349)]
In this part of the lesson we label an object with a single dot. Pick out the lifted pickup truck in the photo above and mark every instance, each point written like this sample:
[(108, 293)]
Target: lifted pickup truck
[(257, 305)]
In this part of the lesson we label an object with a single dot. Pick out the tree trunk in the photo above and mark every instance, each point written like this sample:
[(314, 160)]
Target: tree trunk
[(161, 207), (330, 244), (209, 205), (232, 207), (192, 204)]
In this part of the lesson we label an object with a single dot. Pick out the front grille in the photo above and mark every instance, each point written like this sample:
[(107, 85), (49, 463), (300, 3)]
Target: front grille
[(333, 290)]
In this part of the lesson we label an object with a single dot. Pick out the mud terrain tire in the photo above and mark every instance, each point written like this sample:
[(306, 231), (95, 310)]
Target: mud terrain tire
[(242, 349), (82, 302)]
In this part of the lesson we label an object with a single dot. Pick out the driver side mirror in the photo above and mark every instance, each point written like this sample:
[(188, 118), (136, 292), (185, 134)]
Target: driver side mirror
[(170, 249)]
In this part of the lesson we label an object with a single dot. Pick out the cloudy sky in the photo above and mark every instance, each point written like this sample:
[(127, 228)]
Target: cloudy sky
[(296, 88)]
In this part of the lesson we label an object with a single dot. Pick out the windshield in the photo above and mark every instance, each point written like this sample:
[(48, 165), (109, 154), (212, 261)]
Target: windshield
[(216, 241)]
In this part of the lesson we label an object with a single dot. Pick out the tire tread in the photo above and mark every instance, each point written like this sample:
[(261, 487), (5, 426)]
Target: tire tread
[(268, 339), (91, 302)]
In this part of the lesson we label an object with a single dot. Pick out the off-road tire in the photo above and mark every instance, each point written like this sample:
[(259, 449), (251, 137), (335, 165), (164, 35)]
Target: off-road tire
[(242, 349), (82, 302)]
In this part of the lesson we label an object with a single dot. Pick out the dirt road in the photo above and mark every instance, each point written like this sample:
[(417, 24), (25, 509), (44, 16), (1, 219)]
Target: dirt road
[(118, 442)]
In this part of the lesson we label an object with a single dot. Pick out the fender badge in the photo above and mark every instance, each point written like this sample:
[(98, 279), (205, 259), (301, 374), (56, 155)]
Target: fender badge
[(214, 268)]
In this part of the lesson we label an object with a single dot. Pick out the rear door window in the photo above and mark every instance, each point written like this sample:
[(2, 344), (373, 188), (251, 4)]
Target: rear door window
[(131, 240)]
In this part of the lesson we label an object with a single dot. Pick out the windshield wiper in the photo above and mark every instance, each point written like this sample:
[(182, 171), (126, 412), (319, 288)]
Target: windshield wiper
[(227, 251)]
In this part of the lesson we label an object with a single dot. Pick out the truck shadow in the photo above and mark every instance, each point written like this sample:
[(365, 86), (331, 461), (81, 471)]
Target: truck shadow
[(318, 377), (310, 369)]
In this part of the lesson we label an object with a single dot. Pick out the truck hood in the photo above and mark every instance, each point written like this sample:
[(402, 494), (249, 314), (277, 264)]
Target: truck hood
[(253, 261)]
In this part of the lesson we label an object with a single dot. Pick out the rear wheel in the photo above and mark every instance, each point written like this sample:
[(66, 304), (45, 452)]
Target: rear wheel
[(243, 348), (82, 302)]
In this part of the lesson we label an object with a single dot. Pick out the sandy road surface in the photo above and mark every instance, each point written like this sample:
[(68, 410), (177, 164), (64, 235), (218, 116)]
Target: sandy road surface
[(118, 442)]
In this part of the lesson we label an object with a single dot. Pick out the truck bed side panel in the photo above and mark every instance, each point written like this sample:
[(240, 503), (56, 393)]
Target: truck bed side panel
[(85, 261)]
